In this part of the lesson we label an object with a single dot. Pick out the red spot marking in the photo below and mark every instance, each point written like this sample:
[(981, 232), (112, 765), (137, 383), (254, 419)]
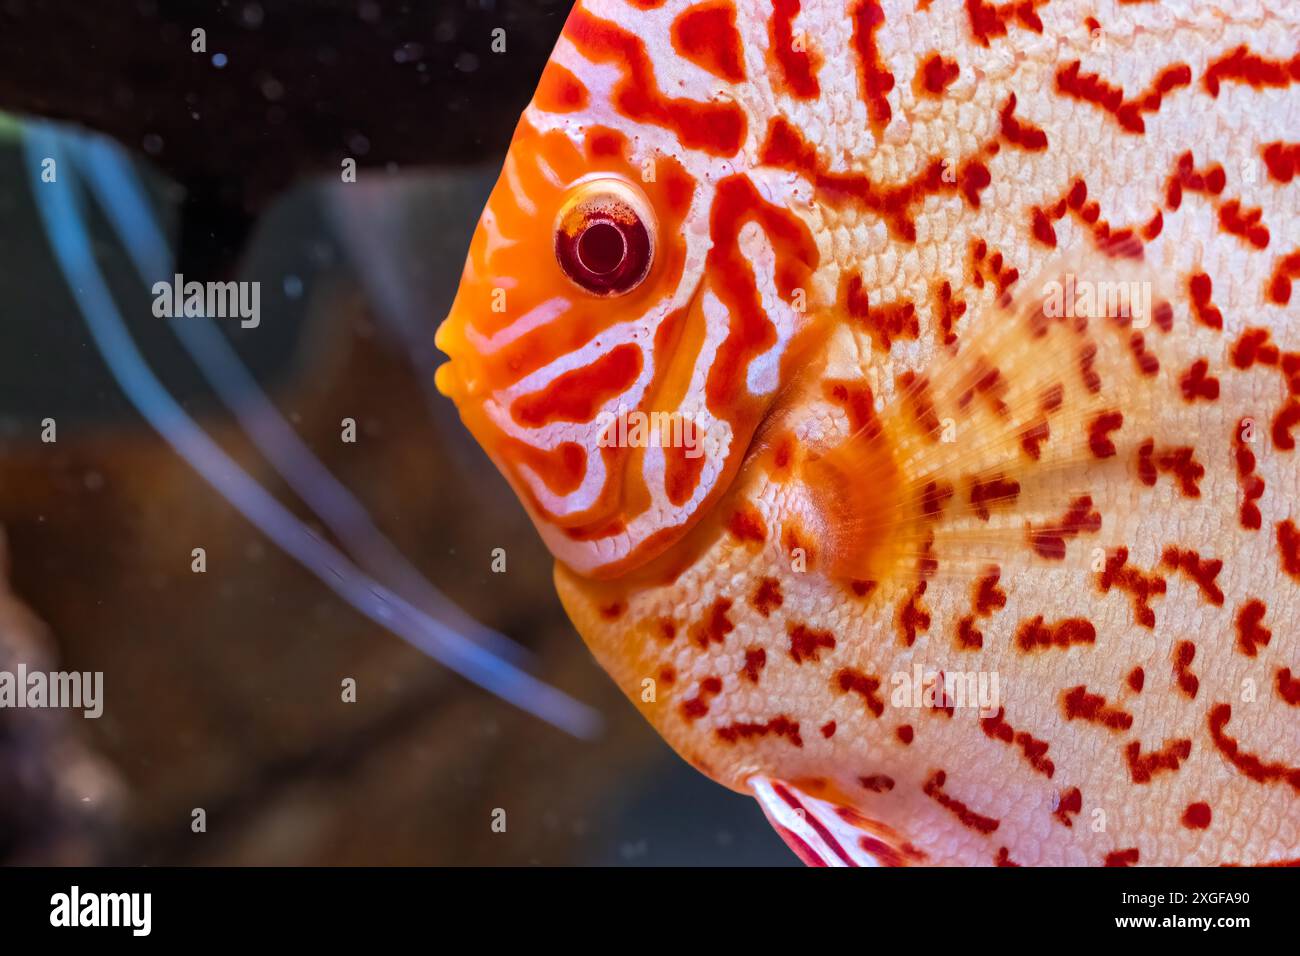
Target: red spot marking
[(1153, 227), (706, 35), (968, 637), (974, 177), (1288, 542), (1184, 654), (934, 496), (1139, 586), (1201, 287), (1147, 363), (862, 588), (1142, 767), (1288, 687), (858, 404), (1087, 368), (1279, 286), (988, 596), (913, 616), (1185, 177), (1197, 383), (883, 322), (1004, 858), (799, 67), (1245, 224), (916, 389), (933, 789), (747, 524), (948, 310), (986, 380), (1249, 764), (864, 685), (559, 91), (755, 661), (767, 596), (667, 630), (1092, 88), (905, 733), (1242, 66), (714, 628), (874, 76), (1179, 462), (698, 706), (668, 675), (1251, 633), (576, 395), (1042, 229), (806, 644), (1285, 420), (992, 268), (1197, 816), (1049, 540), (994, 490), (715, 127), (937, 74), (828, 729), (1098, 431), (1164, 315), (989, 21), (1282, 160), (1125, 858), (1032, 438), (1035, 751), (1199, 570), (779, 726), (1078, 704), (613, 611), (1033, 634), (877, 783), (1069, 802), (1136, 678), (1255, 347), (1025, 135)]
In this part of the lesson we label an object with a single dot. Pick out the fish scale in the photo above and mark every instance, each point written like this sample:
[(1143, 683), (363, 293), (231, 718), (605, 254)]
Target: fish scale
[(1122, 556)]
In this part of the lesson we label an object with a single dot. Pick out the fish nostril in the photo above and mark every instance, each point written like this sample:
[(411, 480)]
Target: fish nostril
[(602, 248)]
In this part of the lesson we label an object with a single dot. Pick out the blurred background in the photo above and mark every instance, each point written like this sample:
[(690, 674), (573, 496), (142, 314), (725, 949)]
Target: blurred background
[(222, 689)]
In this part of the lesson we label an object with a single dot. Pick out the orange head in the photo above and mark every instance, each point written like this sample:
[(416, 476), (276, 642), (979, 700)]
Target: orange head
[(611, 346)]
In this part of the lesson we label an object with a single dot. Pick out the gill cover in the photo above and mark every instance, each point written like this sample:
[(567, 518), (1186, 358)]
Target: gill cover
[(628, 308)]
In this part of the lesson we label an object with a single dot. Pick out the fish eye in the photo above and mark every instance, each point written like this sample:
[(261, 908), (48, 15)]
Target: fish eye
[(603, 237)]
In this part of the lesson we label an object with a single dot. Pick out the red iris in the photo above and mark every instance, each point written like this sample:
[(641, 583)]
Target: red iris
[(602, 241)]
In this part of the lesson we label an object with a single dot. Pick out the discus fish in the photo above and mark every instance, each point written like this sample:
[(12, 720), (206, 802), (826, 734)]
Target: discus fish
[(908, 393)]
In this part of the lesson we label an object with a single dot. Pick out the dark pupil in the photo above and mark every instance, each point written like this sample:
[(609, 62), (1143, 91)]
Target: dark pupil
[(601, 248)]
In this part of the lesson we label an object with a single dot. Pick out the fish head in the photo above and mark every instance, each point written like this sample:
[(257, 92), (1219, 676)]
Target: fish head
[(592, 342)]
